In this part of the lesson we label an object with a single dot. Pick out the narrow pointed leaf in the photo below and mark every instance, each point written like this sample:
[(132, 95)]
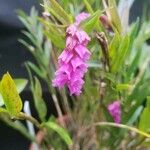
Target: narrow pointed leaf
[(112, 10), (120, 58), (59, 12), (89, 24), (88, 6), (39, 102)]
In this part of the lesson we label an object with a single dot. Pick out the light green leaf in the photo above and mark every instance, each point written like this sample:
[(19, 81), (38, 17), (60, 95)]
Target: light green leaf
[(133, 31), (55, 36), (3, 110), (114, 45), (89, 24), (57, 40), (20, 84), (135, 116), (47, 49), (144, 123), (58, 12), (133, 66), (88, 6), (112, 11), (120, 87), (61, 131), (120, 57), (10, 95), (54, 33)]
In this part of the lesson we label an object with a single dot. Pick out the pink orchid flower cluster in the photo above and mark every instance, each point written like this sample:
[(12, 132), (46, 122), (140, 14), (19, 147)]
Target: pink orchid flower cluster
[(72, 62), (115, 111)]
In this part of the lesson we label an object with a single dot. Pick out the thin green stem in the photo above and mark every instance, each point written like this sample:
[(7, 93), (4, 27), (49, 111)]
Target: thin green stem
[(111, 124), (29, 118)]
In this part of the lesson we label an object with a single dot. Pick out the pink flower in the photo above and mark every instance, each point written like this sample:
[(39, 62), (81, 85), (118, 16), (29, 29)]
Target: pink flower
[(75, 85), (83, 52), (82, 37), (72, 62), (115, 111), (82, 16)]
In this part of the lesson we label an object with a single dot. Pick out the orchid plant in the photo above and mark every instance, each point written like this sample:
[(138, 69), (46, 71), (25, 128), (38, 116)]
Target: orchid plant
[(96, 68)]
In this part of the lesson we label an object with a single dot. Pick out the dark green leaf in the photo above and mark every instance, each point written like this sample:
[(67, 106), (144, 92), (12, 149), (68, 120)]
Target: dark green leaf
[(38, 100)]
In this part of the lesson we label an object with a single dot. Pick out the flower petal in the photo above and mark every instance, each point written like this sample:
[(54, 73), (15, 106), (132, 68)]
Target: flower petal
[(83, 52)]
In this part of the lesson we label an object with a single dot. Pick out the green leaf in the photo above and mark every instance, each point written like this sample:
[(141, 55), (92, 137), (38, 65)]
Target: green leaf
[(54, 33), (30, 37), (89, 24), (58, 12), (88, 6), (143, 35), (144, 123), (112, 11), (133, 66), (39, 102), (20, 84), (114, 45), (36, 69), (120, 87), (57, 40), (28, 46), (133, 32), (61, 131), (64, 4), (10, 95), (23, 18), (120, 57), (47, 49), (3, 110), (135, 116)]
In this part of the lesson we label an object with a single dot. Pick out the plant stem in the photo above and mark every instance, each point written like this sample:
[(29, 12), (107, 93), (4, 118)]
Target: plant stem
[(30, 118), (122, 126)]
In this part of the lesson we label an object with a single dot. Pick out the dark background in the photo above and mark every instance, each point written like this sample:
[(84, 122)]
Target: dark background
[(13, 55)]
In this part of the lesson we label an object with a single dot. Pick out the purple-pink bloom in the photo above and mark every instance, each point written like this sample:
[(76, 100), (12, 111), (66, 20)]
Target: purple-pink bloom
[(115, 111), (82, 16), (72, 62)]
